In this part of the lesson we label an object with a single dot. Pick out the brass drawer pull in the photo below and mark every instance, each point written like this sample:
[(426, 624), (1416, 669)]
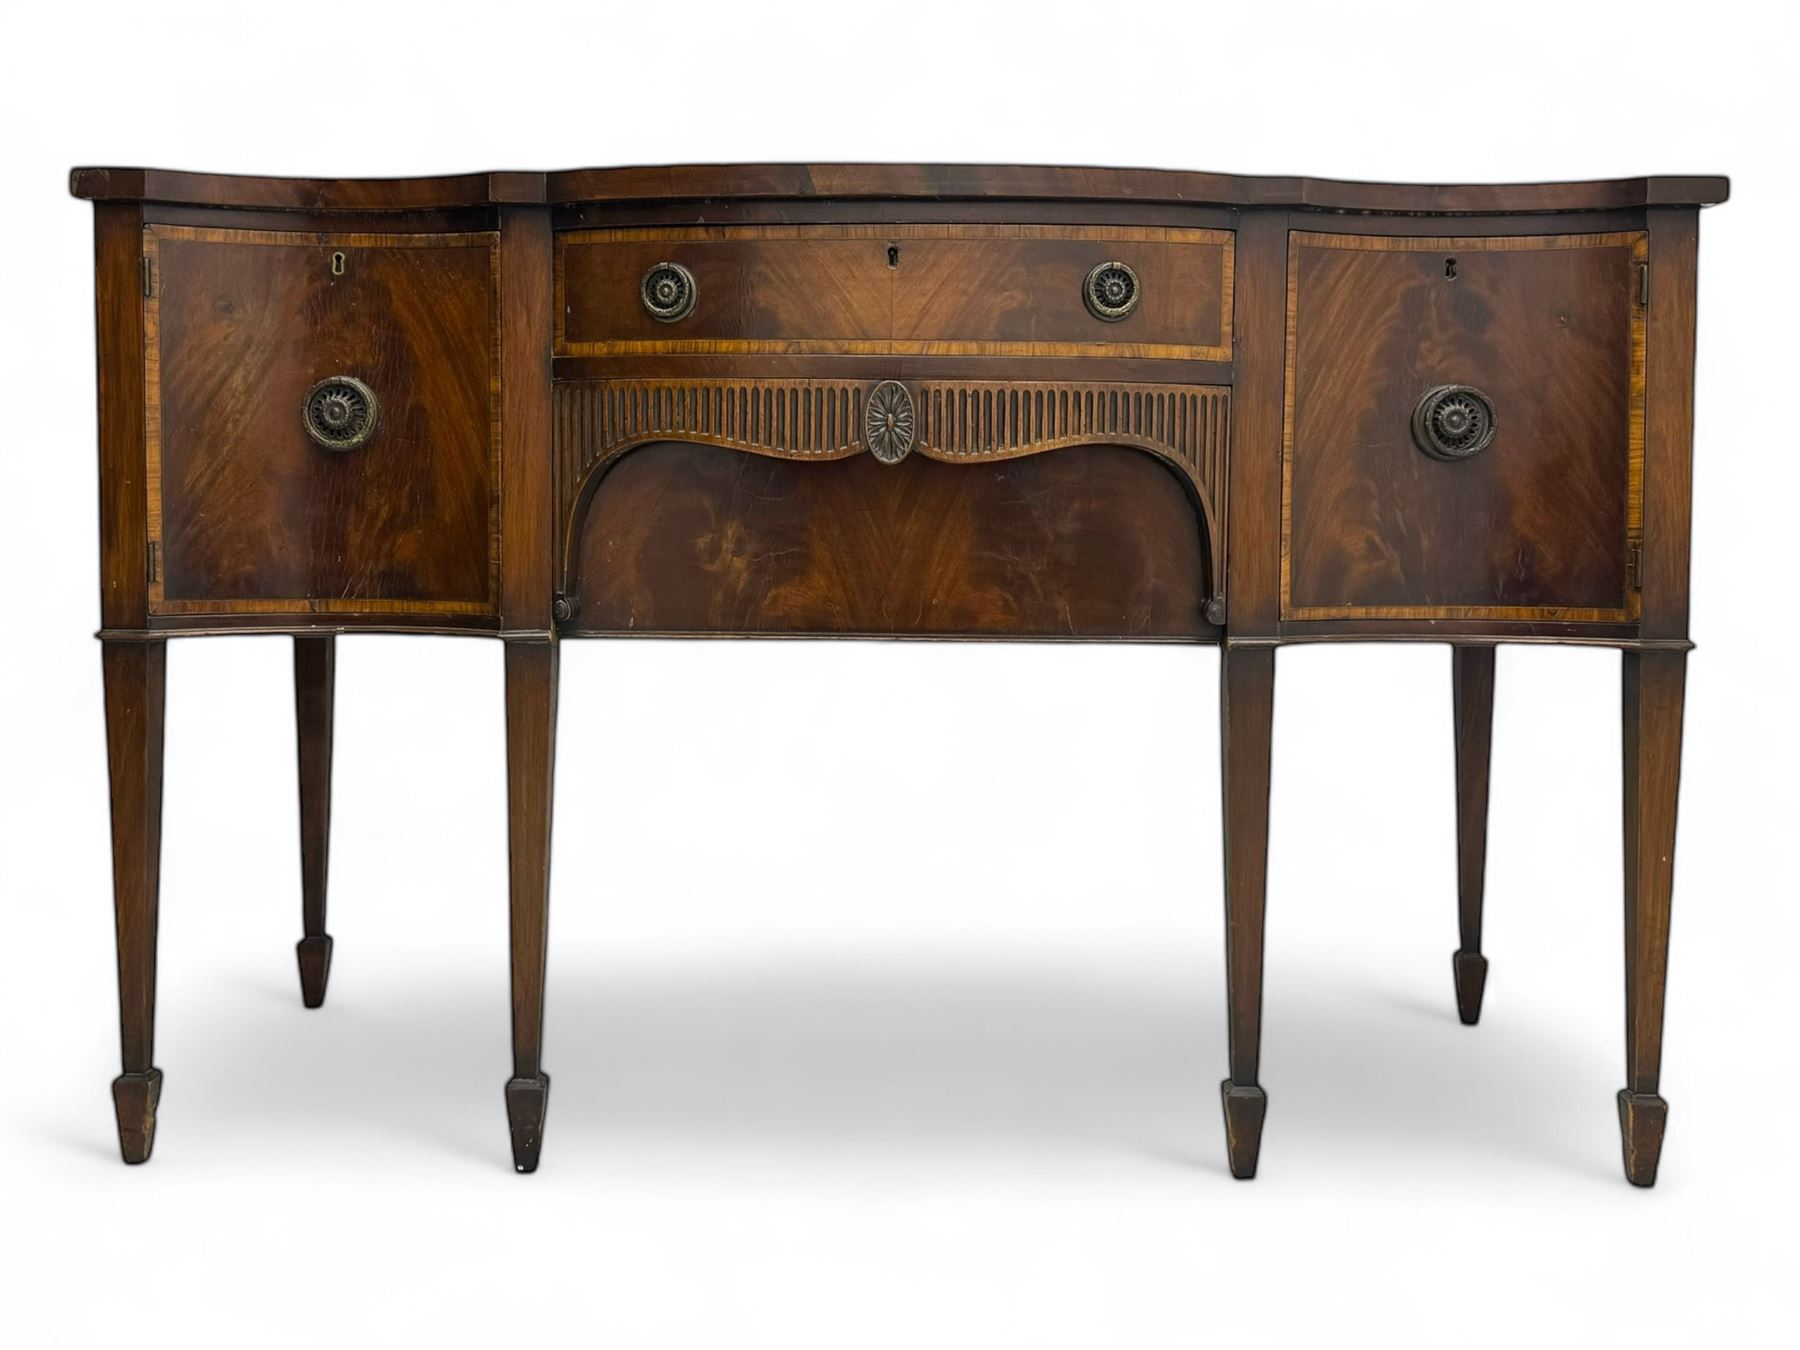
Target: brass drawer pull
[(1453, 422), (668, 292), (340, 413), (1111, 291)]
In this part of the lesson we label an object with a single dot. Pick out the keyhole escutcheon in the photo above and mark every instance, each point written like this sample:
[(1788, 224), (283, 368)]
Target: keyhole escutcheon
[(337, 264)]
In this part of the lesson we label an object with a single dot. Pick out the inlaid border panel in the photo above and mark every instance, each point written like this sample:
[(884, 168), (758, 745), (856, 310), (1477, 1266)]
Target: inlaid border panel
[(159, 603), (815, 346), (1638, 241)]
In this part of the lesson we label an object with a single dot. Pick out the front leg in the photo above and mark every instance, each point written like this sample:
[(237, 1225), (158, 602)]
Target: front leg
[(1654, 690), (531, 673), (1246, 716), (1472, 675), (315, 664), (133, 673)]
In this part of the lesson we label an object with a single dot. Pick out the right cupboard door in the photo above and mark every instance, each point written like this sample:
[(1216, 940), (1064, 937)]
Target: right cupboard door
[(1464, 427)]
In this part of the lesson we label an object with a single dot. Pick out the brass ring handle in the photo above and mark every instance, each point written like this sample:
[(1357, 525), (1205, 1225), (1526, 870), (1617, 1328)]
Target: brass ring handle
[(1111, 291), (1453, 422), (340, 413), (668, 292)]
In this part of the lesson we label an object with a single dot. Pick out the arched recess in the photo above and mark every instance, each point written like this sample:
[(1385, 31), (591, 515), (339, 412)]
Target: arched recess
[(1117, 534)]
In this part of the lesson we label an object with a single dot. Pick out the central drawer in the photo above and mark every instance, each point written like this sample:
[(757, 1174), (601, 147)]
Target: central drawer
[(903, 290)]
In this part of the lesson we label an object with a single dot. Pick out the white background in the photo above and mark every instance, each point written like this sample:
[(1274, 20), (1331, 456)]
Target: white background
[(886, 987)]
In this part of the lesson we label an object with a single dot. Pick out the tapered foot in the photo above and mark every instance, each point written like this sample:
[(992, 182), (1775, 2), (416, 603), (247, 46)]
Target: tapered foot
[(526, 1101), (1244, 1111), (315, 968), (134, 1102), (1471, 980), (1642, 1119)]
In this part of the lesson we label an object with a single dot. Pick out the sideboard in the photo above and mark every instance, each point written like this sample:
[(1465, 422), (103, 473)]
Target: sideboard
[(892, 401)]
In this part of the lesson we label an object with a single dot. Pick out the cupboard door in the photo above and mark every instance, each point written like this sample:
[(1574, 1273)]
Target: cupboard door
[(324, 422), (1464, 429)]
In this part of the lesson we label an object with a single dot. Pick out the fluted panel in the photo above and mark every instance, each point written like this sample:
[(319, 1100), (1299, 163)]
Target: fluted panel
[(958, 420)]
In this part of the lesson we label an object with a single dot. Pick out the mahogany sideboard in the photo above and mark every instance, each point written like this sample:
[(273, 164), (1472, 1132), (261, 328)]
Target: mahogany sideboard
[(898, 402)]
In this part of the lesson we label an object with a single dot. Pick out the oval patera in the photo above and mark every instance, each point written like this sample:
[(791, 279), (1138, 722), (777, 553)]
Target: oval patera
[(888, 423)]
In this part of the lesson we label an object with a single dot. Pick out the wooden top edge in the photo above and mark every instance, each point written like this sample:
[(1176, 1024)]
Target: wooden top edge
[(688, 182), (250, 192)]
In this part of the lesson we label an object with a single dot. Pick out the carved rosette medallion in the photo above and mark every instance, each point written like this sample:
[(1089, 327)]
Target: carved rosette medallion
[(888, 423)]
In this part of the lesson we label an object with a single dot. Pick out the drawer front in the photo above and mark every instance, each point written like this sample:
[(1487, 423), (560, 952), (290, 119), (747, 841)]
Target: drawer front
[(908, 290), (1464, 427), (388, 344)]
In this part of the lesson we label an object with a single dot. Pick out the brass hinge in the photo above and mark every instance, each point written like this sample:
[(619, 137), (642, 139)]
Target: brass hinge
[(1634, 563), (149, 276), (150, 561), (1643, 283)]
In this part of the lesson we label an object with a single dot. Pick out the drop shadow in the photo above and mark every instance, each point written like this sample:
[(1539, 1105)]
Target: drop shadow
[(900, 1056)]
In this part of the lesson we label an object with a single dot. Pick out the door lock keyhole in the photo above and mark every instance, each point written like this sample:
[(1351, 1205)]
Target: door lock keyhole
[(337, 264)]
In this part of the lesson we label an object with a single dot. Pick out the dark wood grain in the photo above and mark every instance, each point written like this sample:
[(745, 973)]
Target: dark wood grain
[(529, 537), (1253, 558), (315, 677), (1669, 421), (1021, 287), (866, 181), (1246, 724), (1057, 183), (1654, 687), (1472, 679), (119, 342), (134, 678), (250, 514), (956, 421), (782, 285), (1536, 526), (898, 289), (254, 192), (531, 689), (1087, 542)]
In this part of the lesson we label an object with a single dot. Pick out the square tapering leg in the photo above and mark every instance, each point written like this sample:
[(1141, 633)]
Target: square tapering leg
[(1654, 687), (531, 680), (315, 673), (134, 678), (1472, 678), (1246, 715)]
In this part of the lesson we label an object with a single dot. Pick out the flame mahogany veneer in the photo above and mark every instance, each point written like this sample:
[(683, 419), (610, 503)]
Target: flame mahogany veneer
[(897, 401)]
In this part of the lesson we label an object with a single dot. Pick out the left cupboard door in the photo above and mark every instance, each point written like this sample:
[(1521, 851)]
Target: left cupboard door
[(322, 422)]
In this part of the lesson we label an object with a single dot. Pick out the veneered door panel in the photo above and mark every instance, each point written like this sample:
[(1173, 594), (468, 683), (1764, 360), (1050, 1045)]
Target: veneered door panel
[(1537, 523), (250, 513)]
